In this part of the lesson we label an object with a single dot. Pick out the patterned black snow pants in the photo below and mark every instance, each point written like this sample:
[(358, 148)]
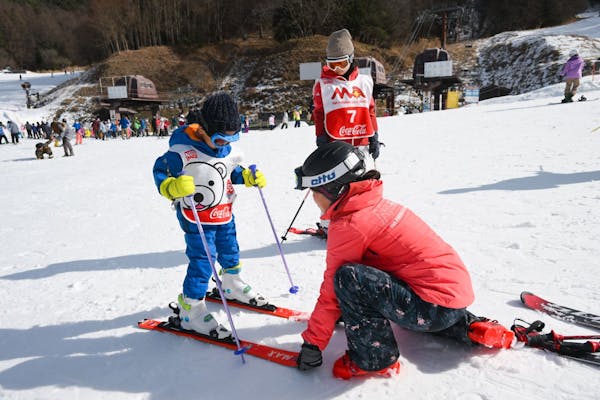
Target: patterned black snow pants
[(370, 298)]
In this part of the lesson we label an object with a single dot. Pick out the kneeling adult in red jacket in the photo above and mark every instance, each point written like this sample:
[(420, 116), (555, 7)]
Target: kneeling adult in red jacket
[(383, 264)]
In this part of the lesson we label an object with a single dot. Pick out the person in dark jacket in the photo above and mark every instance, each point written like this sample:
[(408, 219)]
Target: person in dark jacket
[(29, 130), (2, 134), (47, 130)]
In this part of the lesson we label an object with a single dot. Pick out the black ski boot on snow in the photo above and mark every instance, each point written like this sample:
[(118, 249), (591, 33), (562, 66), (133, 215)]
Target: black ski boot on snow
[(568, 98)]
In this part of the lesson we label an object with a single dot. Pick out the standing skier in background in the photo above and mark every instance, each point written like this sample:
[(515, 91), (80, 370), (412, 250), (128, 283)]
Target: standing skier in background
[(13, 128), (2, 134), (572, 71), (344, 107), (201, 163), (271, 121), (297, 117), (383, 264), (284, 120), (67, 135), (343, 104)]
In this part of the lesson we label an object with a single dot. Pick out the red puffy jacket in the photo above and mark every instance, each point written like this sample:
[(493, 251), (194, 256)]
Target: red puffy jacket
[(369, 230)]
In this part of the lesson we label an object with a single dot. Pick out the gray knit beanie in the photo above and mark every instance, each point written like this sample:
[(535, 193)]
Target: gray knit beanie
[(340, 44)]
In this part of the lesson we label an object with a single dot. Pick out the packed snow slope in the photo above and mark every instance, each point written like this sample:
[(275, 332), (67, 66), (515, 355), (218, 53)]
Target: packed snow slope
[(90, 248)]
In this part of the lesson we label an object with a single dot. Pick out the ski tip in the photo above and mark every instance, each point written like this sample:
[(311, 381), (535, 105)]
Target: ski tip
[(148, 323), (525, 294)]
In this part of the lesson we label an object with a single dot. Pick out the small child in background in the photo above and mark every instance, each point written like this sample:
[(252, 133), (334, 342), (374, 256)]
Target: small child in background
[(43, 148)]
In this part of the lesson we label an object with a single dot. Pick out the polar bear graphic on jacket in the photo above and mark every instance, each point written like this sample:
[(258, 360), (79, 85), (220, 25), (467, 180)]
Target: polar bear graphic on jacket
[(214, 193)]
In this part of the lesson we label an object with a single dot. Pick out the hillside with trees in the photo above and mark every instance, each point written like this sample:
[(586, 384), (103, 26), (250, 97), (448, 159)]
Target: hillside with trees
[(250, 48), (54, 34)]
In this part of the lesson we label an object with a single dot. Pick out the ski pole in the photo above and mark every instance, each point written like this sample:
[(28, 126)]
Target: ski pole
[(284, 237), (240, 350), (578, 337), (293, 289), (554, 342)]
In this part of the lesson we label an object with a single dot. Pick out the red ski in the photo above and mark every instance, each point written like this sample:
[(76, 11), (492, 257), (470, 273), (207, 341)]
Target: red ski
[(318, 232), (279, 356), (559, 311), (268, 309)]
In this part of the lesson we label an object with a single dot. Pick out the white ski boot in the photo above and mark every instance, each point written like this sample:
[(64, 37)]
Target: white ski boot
[(194, 316), (234, 288)]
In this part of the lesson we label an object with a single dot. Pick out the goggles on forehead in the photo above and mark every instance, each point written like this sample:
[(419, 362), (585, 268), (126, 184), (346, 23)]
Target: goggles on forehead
[(347, 165), (340, 63)]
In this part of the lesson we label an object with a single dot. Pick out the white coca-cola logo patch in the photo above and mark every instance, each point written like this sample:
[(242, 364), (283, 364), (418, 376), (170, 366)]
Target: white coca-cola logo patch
[(220, 213), (356, 130)]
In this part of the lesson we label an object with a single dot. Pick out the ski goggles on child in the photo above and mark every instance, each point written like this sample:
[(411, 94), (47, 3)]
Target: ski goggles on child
[(339, 63), (223, 139), (217, 131)]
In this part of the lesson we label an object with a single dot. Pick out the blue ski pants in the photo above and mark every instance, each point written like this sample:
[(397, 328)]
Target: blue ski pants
[(224, 249)]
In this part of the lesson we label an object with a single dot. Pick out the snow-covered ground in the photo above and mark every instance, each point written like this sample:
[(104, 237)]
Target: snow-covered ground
[(89, 248)]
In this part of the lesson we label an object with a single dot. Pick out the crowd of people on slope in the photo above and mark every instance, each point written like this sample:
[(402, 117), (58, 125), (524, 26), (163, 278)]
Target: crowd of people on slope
[(126, 127), (60, 133), (285, 119)]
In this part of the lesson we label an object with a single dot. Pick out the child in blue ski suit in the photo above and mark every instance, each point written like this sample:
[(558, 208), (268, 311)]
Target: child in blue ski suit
[(201, 162)]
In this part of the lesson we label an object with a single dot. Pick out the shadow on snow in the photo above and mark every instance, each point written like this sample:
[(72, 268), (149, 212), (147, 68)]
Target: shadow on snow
[(86, 354), (167, 259), (541, 180)]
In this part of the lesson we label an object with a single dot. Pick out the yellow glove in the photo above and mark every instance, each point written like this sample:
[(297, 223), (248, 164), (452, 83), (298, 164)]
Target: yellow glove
[(251, 180), (181, 186)]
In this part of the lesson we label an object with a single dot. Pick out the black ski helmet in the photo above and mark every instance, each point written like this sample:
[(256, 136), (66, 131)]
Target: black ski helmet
[(330, 167)]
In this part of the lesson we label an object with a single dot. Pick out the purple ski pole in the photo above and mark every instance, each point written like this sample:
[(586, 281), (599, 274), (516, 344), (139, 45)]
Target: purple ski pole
[(293, 289), (240, 350)]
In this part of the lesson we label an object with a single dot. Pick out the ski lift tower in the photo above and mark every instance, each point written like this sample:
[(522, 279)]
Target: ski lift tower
[(433, 69), (27, 87)]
